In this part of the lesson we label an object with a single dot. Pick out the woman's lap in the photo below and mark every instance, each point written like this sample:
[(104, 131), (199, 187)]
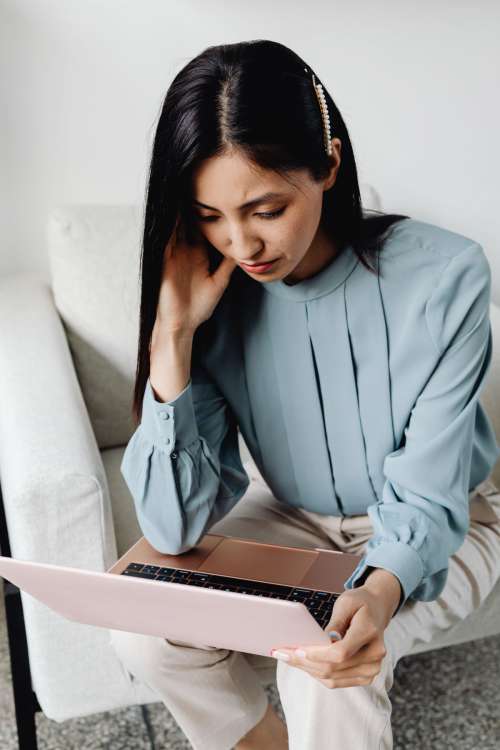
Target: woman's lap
[(314, 713), (473, 569)]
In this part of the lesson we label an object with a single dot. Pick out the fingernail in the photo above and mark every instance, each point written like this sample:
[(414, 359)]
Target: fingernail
[(281, 655), (334, 634)]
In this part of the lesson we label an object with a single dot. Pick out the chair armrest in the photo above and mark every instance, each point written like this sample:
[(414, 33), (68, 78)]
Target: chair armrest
[(54, 485), (56, 498)]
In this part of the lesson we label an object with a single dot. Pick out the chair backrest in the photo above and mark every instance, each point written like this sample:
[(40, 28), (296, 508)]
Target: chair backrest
[(94, 255)]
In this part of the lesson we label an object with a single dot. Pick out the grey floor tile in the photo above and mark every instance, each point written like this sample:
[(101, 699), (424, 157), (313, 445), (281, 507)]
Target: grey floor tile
[(448, 698), (123, 729)]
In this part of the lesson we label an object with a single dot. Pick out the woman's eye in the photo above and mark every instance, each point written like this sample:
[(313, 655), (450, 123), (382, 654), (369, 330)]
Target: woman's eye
[(272, 214), (266, 215)]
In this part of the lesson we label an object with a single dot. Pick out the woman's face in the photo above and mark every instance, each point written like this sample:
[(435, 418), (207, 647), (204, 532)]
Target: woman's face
[(283, 227)]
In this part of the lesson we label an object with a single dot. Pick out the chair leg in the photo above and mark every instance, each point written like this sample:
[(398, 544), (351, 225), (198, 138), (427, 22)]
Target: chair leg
[(149, 728), (25, 700)]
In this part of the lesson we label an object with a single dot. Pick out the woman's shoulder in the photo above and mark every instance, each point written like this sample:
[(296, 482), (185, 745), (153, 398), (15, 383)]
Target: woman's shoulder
[(432, 242), (431, 274), (417, 256)]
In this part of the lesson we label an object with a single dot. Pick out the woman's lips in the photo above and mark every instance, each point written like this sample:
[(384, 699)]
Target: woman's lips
[(259, 268)]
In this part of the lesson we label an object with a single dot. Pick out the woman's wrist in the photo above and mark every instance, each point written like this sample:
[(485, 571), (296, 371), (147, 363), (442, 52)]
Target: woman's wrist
[(387, 586)]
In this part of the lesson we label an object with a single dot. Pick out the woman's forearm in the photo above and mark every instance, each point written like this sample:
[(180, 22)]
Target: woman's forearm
[(170, 365)]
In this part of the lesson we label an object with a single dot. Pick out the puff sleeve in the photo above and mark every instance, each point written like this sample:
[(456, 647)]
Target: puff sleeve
[(183, 465), (423, 516)]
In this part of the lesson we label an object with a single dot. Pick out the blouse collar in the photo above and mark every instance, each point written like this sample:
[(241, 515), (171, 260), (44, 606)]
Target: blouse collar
[(323, 282)]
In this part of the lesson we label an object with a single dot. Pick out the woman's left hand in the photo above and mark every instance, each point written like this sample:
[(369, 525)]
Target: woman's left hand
[(361, 614)]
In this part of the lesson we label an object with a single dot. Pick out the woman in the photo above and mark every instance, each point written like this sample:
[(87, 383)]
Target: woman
[(352, 365)]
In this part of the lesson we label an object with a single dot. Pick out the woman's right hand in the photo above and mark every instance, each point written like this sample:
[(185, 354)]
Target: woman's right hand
[(189, 293)]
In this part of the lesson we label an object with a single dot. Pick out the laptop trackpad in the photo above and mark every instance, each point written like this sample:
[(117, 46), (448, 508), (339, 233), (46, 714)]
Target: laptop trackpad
[(262, 562)]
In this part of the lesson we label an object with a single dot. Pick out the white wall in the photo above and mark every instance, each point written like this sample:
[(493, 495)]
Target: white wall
[(82, 85)]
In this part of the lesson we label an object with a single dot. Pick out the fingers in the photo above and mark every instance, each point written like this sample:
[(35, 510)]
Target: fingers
[(169, 247), (367, 671), (365, 663), (330, 675), (175, 237), (335, 682), (324, 669), (370, 652), (354, 664), (318, 667), (361, 630), (223, 272)]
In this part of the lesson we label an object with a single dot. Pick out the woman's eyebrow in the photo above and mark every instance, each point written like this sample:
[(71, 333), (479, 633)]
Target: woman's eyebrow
[(254, 202)]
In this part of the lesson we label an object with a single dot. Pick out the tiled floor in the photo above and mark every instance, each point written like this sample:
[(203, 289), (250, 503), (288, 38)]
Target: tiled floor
[(442, 700)]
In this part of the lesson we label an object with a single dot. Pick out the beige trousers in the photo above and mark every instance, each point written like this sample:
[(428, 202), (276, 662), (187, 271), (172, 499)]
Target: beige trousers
[(216, 695)]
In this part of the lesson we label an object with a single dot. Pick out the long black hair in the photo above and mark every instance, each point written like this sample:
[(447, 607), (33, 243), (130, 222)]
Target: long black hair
[(258, 97)]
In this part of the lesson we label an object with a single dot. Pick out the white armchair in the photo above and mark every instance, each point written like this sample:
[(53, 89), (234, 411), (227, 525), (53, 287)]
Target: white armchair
[(68, 361)]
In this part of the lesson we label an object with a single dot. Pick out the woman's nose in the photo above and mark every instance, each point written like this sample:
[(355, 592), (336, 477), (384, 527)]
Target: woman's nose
[(244, 249)]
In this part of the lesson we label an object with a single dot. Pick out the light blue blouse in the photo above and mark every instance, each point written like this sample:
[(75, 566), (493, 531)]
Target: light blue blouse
[(354, 394)]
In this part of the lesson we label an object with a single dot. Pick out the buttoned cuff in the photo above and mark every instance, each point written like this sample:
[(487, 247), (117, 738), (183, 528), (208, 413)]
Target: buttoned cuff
[(399, 559), (169, 424)]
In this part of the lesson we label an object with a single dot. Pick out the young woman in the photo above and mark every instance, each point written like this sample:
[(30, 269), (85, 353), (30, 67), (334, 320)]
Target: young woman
[(350, 350)]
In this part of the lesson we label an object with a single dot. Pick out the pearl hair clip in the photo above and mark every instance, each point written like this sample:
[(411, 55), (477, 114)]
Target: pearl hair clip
[(318, 88)]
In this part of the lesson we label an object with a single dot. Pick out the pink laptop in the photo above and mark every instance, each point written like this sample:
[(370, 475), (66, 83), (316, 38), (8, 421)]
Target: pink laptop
[(252, 597)]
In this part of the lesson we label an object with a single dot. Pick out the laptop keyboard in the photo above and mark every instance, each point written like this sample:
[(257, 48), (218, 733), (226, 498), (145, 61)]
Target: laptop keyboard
[(319, 603)]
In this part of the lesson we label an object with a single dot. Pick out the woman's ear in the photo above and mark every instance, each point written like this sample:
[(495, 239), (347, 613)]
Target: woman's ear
[(335, 159)]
